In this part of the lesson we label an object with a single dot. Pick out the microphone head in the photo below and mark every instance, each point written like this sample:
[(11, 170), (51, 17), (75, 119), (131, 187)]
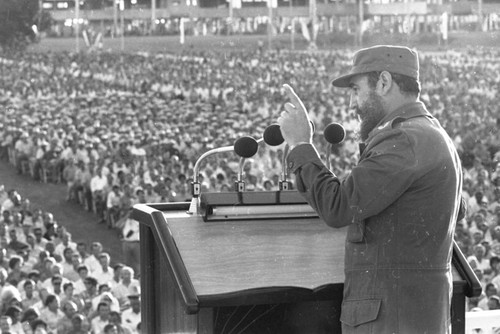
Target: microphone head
[(334, 133), (246, 147), (272, 135)]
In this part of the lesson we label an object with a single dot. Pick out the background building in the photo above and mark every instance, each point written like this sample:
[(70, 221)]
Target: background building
[(309, 17)]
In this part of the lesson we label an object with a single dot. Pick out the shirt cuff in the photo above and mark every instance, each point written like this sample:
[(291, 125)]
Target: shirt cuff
[(302, 154)]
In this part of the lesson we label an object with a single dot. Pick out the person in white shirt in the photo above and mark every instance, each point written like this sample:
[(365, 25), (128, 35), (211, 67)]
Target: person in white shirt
[(113, 205), (66, 242), (131, 317), (51, 313), (92, 261), (478, 259), (98, 323), (130, 243), (23, 149), (40, 241), (105, 274), (127, 286), (3, 194), (99, 189), (106, 297), (68, 264), (79, 285)]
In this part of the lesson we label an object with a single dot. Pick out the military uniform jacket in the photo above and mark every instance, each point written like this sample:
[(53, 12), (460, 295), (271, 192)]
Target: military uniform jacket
[(400, 204)]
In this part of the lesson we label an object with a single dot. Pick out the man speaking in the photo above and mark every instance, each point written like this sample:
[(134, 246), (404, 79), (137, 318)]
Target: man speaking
[(400, 202)]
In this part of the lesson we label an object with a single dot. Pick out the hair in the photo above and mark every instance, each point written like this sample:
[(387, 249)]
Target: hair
[(91, 280), (69, 302), (29, 313), (82, 267), (407, 85), (50, 298), (67, 285), (129, 269), (67, 249), (494, 260), (109, 327), (78, 316), (101, 304), (12, 310), (117, 315), (102, 287), (14, 260), (118, 266), (28, 282), (106, 255), (38, 322), (56, 277)]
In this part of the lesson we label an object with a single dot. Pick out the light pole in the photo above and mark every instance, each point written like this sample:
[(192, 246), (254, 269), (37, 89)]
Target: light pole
[(480, 15), (270, 5), (231, 14), (77, 25), (292, 26), (40, 6), (122, 25), (153, 16), (360, 20), (115, 17)]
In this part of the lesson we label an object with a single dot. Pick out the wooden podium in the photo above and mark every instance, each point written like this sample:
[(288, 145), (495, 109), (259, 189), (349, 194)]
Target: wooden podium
[(247, 272)]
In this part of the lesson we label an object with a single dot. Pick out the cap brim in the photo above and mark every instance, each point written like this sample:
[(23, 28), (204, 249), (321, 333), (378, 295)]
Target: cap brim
[(343, 81)]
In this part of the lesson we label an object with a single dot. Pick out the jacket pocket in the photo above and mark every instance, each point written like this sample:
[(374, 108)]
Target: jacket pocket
[(356, 231), (359, 312)]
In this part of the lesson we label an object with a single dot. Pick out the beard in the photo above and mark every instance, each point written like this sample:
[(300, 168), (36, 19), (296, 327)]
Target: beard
[(370, 114)]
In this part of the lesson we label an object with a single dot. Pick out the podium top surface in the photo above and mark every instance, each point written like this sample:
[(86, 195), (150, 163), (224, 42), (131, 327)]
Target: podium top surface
[(228, 256)]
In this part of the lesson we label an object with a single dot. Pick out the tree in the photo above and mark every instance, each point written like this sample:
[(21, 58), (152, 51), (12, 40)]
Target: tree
[(17, 17)]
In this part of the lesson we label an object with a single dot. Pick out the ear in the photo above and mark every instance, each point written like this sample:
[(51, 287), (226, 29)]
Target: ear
[(385, 83)]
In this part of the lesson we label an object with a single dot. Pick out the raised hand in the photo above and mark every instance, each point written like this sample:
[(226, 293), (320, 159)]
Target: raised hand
[(295, 125)]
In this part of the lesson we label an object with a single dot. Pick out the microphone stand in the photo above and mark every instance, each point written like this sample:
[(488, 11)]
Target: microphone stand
[(240, 184), (284, 184), (328, 152), (194, 208)]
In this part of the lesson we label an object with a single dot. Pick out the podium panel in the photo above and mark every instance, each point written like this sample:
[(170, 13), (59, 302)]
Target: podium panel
[(250, 275)]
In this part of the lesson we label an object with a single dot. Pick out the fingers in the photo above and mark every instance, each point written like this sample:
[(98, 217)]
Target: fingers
[(295, 105), (295, 100), (282, 117), (289, 107)]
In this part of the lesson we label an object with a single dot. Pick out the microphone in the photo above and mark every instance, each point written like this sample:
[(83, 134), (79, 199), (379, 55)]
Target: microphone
[(273, 137), (334, 134), (245, 147)]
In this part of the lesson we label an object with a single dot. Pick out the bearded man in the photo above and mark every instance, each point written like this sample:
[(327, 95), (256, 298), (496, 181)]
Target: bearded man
[(400, 202)]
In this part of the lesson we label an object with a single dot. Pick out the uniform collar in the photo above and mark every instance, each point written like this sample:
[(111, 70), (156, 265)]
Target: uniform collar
[(404, 112)]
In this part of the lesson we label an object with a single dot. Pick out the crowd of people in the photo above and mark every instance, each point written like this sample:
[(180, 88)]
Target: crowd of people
[(122, 129), (52, 284)]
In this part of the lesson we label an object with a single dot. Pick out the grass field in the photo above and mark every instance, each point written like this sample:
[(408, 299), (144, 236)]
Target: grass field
[(249, 43)]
